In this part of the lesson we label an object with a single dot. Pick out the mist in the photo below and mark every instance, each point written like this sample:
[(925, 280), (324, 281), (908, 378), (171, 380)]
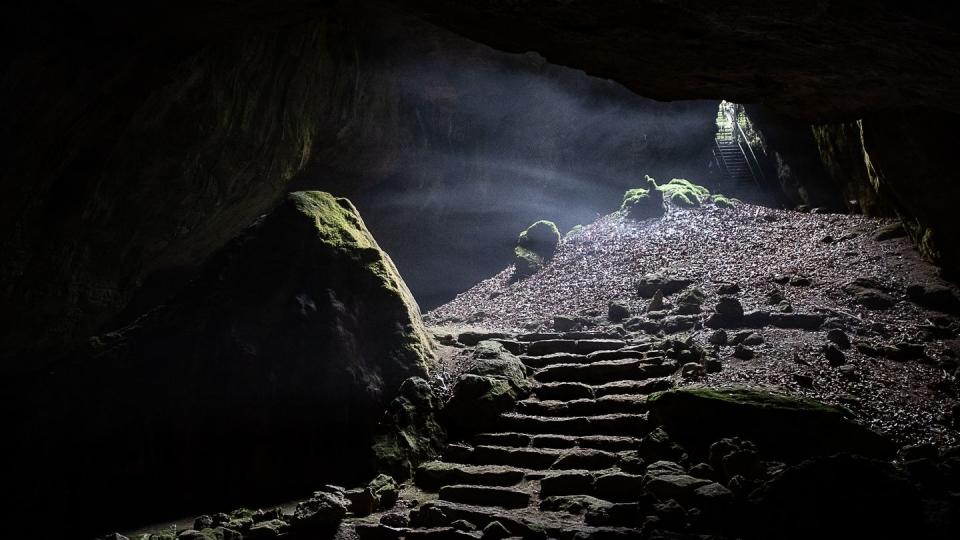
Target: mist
[(492, 142)]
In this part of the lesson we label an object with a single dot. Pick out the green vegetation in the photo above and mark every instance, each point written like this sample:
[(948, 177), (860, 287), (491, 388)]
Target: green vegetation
[(643, 203), (535, 246), (648, 202), (682, 192), (724, 202)]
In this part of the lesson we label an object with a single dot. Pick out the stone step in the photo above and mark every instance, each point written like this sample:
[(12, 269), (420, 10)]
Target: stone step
[(585, 458), (611, 404), (525, 458), (537, 362), (637, 388), (504, 438), (571, 482), (435, 474), (563, 391), (574, 346), (609, 486), (605, 371), (478, 515), (634, 351), (552, 346), (438, 533), (585, 335), (633, 425), (610, 443), (503, 497)]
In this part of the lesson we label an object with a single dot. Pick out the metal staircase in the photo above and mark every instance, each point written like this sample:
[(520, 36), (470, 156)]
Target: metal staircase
[(740, 168)]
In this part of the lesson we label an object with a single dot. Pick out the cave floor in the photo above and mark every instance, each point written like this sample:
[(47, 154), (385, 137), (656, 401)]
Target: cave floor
[(897, 375)]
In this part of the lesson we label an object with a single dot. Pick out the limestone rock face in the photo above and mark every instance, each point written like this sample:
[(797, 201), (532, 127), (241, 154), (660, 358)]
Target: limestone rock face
[(270, 371)]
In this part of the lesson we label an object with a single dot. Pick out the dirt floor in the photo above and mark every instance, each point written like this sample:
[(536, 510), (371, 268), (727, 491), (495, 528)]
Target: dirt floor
[(780, 261)]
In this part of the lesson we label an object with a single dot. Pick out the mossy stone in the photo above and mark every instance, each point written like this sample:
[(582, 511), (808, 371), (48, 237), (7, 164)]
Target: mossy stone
[(643, 203), (783, 427), (535, 246), (682, 192)]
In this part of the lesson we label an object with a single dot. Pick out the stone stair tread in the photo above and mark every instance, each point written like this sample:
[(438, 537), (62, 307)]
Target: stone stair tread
[(563, 390), (606, 424), (537, 362), (435, 474), (585, 458), (582, 407), (644, 387), (504, 438), (481, 516), (605, 371), (504, 497), (530, 458), (617, 354)]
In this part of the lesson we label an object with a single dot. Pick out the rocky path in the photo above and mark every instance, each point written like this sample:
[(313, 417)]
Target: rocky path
[(562, 464)]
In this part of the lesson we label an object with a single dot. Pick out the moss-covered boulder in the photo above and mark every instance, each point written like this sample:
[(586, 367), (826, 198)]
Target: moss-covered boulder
[(782, 427), (410, 431), (267, 374), (491, 385), (722, 201), (535, 246), (643, 203), (682, 192)]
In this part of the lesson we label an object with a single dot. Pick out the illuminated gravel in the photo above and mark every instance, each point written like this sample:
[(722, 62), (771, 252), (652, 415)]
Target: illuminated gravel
[(749, 246)]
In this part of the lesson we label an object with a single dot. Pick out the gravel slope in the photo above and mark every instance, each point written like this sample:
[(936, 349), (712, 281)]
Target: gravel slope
[(758, 248)]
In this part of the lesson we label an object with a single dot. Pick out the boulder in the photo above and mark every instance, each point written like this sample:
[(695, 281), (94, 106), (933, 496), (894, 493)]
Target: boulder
[(535, 246), (782, 427), (618, 311), (325, 509), (494, 381), (869, 293), (268, 372), (410, 431), (643, 203), (649, 284), (935, 296)]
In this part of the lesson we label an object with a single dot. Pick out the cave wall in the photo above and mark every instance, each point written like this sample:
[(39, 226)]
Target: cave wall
[(143, 160), (126, 161), (901, 159)]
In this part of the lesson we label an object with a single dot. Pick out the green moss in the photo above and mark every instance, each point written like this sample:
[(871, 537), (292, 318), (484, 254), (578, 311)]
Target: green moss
[(783, 427), (722, 201), (338, 224), (542, 238), (535, 245), (682, 192), (643, 203)]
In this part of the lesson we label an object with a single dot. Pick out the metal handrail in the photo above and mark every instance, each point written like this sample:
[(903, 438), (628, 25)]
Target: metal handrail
[(756, 162)]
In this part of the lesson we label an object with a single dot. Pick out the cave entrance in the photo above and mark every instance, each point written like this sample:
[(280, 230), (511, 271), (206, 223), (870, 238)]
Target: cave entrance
[(737, 152)]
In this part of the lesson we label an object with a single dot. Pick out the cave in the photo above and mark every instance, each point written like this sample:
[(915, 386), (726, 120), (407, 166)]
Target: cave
[(401, 269)]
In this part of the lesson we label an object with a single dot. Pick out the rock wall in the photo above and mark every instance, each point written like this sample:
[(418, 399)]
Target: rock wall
[(265, 377), (128, 161), (901, 159)]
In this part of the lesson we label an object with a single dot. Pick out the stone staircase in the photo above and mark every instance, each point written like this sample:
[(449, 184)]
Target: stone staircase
[(562, 464)]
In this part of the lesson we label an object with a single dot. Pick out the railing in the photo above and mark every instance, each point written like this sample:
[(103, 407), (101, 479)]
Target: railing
[(735, 136), (752, 162)]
